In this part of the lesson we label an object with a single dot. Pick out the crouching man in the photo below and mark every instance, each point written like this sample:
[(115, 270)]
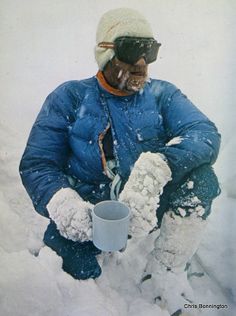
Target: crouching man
[(120, 135)]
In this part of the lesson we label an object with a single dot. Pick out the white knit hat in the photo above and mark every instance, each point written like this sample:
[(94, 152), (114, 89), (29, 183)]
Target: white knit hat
[(117, 23)]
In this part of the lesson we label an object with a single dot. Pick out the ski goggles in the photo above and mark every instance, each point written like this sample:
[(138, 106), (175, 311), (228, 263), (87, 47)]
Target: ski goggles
[(130, 49)]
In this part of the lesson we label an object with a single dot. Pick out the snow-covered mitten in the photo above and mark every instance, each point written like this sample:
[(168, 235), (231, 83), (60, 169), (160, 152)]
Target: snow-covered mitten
[(71, 214), (165, 278), (142, 191)]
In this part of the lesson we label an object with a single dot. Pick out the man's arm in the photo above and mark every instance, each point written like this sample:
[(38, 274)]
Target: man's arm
[(199, 140), (43, 162)]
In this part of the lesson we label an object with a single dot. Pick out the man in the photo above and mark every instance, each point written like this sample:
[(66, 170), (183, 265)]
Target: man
[(119, 135)]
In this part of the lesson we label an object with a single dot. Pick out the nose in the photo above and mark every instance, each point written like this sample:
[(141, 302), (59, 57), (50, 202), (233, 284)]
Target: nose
[(141, 62)]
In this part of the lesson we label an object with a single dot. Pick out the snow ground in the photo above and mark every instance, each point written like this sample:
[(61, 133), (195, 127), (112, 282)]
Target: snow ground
[(41, 51), (33, 283)]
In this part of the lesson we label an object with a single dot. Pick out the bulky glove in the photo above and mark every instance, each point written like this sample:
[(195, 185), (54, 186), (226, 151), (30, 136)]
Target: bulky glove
[(71, 214), (142, 191)]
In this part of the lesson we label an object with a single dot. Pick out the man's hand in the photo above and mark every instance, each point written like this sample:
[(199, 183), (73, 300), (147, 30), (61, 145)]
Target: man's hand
[(142, 191), (71, 214)]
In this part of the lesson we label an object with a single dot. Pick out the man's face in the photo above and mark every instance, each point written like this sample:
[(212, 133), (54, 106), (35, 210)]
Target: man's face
[(126, 77)]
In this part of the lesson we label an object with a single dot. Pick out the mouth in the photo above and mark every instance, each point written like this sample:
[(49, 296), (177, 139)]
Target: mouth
[(138, 73)]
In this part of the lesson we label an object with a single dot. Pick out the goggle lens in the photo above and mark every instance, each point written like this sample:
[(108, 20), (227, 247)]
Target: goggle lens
[(131, 49)]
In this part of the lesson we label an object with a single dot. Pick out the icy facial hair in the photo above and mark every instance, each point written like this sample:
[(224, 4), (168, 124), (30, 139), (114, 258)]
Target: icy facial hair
[(131, 82)]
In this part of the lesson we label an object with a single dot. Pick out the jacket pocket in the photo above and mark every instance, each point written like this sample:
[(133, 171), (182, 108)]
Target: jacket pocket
[(151, 127), (147, 133)]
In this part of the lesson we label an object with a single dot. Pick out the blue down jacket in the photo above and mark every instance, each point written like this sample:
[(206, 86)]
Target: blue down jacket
[(65, 137)]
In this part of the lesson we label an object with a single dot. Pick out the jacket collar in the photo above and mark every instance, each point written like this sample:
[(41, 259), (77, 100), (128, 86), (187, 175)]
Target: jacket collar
[(102, 81)]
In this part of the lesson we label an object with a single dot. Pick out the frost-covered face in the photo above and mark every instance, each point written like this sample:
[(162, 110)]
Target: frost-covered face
[(126, 77)]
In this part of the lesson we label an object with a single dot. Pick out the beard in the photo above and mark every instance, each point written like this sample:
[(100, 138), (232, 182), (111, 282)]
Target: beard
[(135, 83), (132, 81), (125, 77)]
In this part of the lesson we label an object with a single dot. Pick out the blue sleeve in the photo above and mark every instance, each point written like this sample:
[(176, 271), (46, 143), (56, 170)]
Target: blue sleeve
[(44, 159), (200, 139)]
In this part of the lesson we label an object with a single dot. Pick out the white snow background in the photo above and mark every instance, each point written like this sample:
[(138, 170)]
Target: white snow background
[(44, 43)]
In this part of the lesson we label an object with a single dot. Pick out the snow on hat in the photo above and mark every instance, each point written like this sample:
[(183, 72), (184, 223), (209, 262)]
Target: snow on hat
[(117, 23)]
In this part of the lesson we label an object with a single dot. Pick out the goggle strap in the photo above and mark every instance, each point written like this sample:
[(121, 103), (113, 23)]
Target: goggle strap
[(106, 45)]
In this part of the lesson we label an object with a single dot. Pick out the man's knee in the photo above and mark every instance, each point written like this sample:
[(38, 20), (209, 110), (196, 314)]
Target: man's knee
[(194, 193), (205, 183)]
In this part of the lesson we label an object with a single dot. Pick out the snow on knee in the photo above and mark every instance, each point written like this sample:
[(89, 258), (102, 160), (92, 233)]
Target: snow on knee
[(200, 210), (182, 211), (190, 185)]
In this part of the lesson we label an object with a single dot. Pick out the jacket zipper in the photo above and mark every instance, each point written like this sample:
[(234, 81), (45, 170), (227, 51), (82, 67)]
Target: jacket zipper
[(103, 157)]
